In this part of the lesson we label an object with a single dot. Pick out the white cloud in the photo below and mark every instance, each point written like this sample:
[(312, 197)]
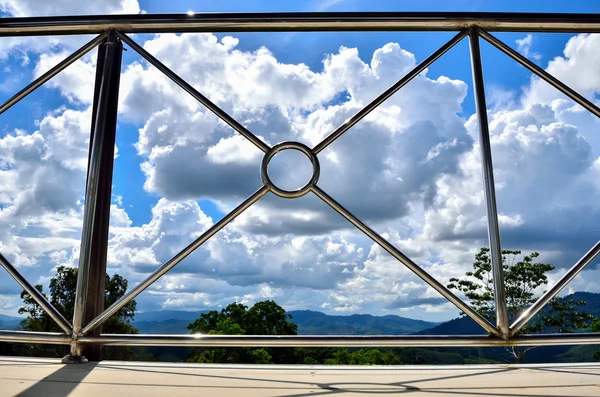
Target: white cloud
[(524, 47), (286, 102), (42, 177), (235, 149), (78, 79), (30, 8), (574, 68), (22, 46)]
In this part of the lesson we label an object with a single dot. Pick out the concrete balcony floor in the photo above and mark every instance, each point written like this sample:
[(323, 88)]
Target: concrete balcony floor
[(49, 378)]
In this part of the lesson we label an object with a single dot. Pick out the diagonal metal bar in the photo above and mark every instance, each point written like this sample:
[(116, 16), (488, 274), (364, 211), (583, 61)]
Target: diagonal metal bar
[(489, 188), (547, 77), (406, 261), (556, 288), (37, 296), (388, 93), (197, 95), (51, 73), (158, 273)]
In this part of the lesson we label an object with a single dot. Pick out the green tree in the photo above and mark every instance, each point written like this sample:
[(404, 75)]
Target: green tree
[(363, 357), (523, 278), (62, 296), (264, 318)]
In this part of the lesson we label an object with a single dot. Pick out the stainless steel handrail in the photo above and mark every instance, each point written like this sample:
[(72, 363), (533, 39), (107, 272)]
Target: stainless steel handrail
[(112, 28), (301, 21)]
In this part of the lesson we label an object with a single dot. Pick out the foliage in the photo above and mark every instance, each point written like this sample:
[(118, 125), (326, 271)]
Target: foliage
[(363, 357), (62, 296), (264, 318), (268, 318), (523, 279)]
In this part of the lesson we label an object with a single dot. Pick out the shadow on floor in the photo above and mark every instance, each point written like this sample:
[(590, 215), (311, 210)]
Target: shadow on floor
[(61, 382), (407, 386)]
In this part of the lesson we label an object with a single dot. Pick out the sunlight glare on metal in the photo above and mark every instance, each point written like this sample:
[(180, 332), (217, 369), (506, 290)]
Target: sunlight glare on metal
[(191, 13)]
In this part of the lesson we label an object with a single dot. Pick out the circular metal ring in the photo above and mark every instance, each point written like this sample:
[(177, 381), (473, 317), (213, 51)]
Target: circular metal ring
[(264, 173)]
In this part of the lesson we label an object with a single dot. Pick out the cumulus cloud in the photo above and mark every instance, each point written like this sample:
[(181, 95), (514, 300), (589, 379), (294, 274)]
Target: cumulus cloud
[(42, 178), (230, 256), (573, 68), (524, 47), (23, 46), (31, 8), (77, 83), (541, 171), (181, 135)]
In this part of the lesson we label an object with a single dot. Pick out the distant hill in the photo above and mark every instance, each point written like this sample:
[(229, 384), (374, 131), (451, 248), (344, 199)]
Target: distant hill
[(309, 323), (164, 315), (171, 327), (317, 323), (9, 322), (165, 321), (593, 302), (465, 326), (458, 326)]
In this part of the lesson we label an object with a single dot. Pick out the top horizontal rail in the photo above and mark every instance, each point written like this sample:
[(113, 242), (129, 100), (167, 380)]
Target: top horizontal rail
[(301, 21)]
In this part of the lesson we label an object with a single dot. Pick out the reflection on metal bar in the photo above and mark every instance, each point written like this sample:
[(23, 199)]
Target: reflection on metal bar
[(301, 21), (556, 288), (343, 340), (37, 296), (51, 73), (158, 273), (388, 93), (53, 338), (197, 95), (314, 160), (435, 284), (489, 188), (101, 137), (556, 83), (304, 340), (105, 107)]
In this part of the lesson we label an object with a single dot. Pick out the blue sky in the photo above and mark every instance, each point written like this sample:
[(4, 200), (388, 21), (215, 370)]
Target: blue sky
[(410, 170)]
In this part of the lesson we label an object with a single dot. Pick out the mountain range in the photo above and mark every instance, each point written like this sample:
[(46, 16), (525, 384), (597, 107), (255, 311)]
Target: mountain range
[(8, 322), (309, 323), (317, 323)]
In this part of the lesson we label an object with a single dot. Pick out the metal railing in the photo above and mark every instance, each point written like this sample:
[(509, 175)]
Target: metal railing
[(113, 31)]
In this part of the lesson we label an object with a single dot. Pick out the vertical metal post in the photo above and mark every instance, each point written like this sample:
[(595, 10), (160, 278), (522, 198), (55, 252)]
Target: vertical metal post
[(89, 297), (488, 185)]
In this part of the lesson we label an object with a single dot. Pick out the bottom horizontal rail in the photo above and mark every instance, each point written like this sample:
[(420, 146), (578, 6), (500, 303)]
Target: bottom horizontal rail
[(53, 338), (304, 340), (341, 341)]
